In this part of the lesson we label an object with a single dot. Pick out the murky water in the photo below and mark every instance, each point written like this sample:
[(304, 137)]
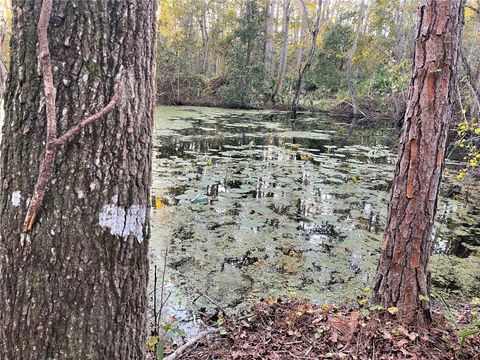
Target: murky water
[(253, 205)]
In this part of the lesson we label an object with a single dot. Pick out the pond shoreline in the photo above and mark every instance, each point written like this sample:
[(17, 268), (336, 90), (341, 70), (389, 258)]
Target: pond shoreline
[(370, 110)]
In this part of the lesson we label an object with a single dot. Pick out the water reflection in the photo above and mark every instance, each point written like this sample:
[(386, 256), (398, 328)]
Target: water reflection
[(255, 205)]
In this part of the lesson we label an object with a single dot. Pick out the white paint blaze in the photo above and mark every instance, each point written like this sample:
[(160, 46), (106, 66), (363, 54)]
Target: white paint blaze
[(16, 198), (124, 222)]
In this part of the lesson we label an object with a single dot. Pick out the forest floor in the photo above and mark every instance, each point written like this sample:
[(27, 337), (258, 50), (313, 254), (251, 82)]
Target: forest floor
[(298, 330)]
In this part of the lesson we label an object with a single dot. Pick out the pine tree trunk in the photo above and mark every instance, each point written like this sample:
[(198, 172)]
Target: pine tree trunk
[(402, 278), (75, 286)]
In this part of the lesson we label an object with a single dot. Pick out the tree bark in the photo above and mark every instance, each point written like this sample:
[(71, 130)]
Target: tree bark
[(353, 50), (269, 50), (402, 275), (205, 39), (75, 286), (301, 37), (399, 50), (284, 52)]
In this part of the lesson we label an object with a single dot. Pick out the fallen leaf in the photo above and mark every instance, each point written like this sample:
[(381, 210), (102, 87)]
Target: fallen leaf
[(402, 343), (387, 335), (392, 310)]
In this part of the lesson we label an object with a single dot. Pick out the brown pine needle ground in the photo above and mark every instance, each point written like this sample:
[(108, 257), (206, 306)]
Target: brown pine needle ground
[(298, 330)]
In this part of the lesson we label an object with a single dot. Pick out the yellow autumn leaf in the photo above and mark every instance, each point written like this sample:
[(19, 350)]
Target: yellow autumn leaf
[(8, 12), (392, 310), (158, 203)]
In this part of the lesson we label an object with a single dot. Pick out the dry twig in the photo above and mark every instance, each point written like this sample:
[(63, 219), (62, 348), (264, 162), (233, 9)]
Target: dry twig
[(190, 343)]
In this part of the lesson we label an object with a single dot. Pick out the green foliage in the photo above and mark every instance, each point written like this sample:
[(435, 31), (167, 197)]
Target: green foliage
[(466, 331), (160, 353), (156, 344), (244, 82), (328, 71), (245, 69), (233, 48), (177, 78)]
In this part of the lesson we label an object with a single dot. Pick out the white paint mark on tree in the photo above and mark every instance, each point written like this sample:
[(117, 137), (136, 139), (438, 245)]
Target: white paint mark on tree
[(135, 222), (113, 217), (16, 198), (124, 222)]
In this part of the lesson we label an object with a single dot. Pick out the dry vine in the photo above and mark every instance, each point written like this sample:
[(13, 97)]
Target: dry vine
[(54, 142)]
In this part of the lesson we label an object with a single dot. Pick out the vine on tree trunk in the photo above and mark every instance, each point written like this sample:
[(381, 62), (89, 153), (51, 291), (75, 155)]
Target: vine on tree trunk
[(54, 142)]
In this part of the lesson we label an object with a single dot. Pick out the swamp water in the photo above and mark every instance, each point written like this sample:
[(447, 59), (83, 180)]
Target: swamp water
[(252, 205)]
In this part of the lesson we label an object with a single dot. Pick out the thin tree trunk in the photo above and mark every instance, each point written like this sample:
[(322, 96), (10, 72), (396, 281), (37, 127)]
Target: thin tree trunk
[(74, 287), (470, 82), (311, 54), (284, 51), (269, 49), (205, 40), (366, 22), (301, 40), (402, 276), (477, 81), (399, 50), (325, 12), (353, 50)]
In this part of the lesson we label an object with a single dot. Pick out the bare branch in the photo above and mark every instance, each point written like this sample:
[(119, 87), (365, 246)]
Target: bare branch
[(75, 130), (190, 343), (470, 82)]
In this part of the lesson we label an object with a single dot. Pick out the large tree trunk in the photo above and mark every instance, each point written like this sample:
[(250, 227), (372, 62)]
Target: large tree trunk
[(284, 51), (402, 275), (75, 286)]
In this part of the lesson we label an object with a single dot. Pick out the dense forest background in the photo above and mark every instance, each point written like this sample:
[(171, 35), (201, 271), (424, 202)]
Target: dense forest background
[(122, 219), (230, 53)]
